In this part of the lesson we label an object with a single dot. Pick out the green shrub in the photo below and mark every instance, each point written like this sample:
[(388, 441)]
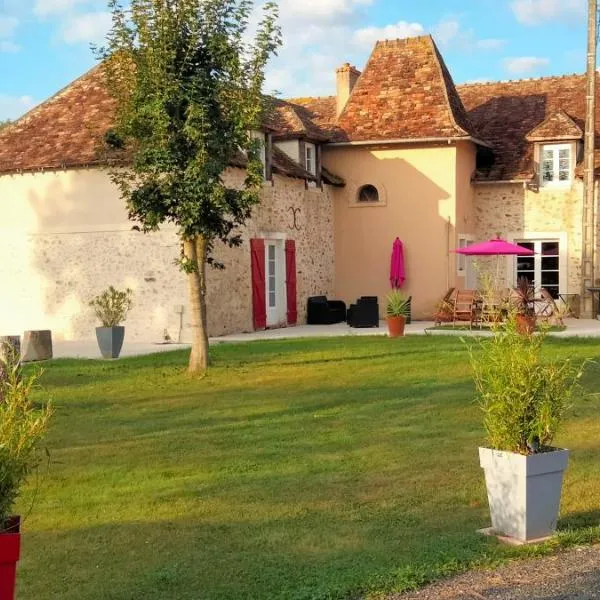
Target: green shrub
[(22, 427), (397, 304), (523, 397), (111, 307)]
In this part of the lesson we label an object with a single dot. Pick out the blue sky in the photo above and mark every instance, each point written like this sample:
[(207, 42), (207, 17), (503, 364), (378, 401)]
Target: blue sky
[(44, 44)]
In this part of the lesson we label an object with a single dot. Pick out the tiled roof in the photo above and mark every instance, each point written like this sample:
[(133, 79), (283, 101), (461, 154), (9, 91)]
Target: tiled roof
[(64, 131), (295, 121), (504, 113), (68, 129), (405, 92), (558, 126)]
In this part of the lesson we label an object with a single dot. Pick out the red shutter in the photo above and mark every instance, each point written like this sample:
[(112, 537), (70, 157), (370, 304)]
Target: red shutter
[(259, 304), (290, 280)]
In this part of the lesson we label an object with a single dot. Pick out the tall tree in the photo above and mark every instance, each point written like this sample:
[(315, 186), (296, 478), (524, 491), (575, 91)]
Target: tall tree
[(187, 77)]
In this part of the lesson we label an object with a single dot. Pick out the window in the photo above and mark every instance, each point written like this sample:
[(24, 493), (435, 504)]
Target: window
[(555, 164), (310, 158), (543, 268), (461, 259), (368, 194)]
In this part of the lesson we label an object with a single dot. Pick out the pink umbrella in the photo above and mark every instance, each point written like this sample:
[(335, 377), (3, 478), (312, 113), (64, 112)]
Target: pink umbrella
[(397, 275), (497, 247)]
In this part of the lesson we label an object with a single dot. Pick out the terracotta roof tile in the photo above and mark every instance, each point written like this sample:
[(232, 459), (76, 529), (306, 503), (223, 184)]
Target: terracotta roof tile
[(405, 92), (294, 120), (68, 129), (504, 113), (558, 126), (64, 131)]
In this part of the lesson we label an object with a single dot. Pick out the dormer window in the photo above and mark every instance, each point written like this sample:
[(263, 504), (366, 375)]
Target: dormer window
[(310, 161), (556, 164)]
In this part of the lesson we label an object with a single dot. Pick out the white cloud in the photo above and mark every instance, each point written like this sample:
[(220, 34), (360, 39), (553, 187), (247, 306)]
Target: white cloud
[(44, 8), (86, 28), (449, 33), (535, 12), (320, 9), (490, 44), (9, 47), (8, 26), (12, 107), (525, 64), (367, 36)]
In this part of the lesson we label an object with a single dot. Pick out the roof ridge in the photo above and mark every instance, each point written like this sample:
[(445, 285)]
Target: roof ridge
[(413, 39), (504, 81), (296, 98), (439, 62)]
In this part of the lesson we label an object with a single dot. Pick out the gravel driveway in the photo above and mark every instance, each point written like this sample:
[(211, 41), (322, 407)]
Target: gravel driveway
[(572, 575)]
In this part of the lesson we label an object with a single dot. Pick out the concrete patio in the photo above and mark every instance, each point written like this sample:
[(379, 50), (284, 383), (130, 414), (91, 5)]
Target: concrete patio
[(89, 348)]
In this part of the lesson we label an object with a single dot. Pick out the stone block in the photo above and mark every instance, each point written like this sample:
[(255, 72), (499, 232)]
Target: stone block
[(37, 345)]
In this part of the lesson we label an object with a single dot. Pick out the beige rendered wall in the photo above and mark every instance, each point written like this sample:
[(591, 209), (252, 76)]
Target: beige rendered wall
[(291, 148), (516, 212), (418, 204), (64, 237)]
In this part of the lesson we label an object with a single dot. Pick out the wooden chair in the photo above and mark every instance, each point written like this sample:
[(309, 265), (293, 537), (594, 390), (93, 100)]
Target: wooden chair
[(445, 309), (465, 307), (493, 306), (547, 310)]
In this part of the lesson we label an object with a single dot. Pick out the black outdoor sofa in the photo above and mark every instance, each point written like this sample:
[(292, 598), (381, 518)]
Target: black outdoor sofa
[(321, 311), (365, 313)]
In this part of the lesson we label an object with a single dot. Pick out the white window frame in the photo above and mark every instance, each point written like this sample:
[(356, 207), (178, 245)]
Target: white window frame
[(542, 236), (310, 158), (464, 240), (555, 148)]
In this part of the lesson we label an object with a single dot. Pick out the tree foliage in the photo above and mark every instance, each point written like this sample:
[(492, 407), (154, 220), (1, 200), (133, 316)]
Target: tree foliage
[(187, 79)]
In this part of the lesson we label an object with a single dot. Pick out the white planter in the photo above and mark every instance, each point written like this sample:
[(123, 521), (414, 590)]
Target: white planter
[(524, 492)]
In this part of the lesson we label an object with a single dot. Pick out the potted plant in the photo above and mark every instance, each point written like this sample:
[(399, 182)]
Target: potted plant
[(398, 309), (22, 427), (111, 308), (523, 399), (523, 304)]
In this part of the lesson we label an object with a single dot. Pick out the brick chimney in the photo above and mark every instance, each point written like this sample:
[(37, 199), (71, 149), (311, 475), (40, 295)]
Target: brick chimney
[(346, 76)]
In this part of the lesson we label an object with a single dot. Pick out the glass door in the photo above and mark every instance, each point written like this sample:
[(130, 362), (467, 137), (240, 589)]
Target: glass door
[(543, 268), (271, 283)]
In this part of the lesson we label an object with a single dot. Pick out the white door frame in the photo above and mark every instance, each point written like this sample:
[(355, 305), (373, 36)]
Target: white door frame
[(542, 236), (275, 253)]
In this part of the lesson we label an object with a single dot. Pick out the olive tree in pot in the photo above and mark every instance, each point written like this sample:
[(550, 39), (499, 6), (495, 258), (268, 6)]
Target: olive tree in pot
[(398, 309), (22, 427), (523, 398), (111, 308)]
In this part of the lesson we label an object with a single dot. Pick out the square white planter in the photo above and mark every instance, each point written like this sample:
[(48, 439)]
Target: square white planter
[(524, 492)]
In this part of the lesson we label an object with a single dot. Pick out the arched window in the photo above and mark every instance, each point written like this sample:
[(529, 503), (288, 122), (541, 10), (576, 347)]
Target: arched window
[(368, 194)]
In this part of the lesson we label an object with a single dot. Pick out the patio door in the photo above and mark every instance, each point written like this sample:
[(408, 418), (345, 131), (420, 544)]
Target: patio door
[(543, 269), (275, 283)]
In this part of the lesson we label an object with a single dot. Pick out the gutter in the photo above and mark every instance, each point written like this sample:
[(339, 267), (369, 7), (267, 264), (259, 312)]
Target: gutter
[(444, 140), (524, 182)]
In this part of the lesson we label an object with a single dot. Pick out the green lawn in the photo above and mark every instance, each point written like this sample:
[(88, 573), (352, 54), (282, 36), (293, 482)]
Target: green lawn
[(306, 469)]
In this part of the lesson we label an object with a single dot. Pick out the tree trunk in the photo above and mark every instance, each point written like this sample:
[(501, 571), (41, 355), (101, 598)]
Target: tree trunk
[(195, 252)]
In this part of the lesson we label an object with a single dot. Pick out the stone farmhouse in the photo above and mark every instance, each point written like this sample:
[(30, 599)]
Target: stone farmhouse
[(399, 151)]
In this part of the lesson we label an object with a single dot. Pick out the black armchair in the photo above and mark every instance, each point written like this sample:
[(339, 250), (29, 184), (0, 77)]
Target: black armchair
[(365, 313), (321, 311)]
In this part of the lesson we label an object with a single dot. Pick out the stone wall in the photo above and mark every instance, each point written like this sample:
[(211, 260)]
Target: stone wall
[(515, 211), (64, 237)]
